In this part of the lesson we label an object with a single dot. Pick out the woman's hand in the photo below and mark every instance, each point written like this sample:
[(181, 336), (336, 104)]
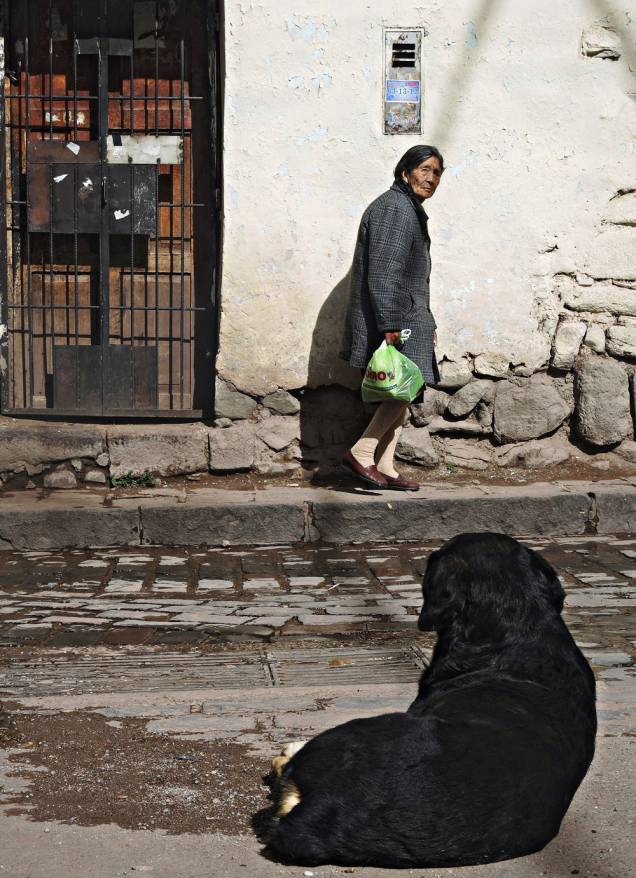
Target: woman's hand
[(392, 337)]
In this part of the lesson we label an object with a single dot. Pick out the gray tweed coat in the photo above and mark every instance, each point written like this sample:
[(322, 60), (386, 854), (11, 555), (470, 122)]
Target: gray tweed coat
[(390, 285)]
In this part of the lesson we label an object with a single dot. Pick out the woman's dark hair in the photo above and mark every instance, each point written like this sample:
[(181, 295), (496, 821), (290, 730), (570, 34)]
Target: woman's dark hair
[(414, 157)]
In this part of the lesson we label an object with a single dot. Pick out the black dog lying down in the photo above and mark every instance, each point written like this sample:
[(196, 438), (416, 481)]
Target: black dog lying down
[(484, 764)]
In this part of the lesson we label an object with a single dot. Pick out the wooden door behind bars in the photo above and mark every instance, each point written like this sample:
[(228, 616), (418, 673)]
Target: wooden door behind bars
[(102, 159)]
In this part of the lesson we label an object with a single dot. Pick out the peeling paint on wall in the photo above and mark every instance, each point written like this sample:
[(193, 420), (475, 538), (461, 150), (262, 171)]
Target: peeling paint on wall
[(536, 142)]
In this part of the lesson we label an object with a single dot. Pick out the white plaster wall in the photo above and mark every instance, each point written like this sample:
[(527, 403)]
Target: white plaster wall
[(537, 139)]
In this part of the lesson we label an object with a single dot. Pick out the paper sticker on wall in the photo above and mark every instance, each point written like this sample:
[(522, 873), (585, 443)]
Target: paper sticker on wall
[(403, 91), (144, 149)]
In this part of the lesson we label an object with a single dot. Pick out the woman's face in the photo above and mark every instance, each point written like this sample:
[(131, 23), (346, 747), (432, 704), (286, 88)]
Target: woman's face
[(424, 179)]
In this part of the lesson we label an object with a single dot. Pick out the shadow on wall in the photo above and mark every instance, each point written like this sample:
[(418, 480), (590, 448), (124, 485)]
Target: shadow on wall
[(332, 415)]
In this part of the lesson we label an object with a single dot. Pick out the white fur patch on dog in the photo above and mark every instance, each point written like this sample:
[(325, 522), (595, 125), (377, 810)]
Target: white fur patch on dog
[(292, 748)]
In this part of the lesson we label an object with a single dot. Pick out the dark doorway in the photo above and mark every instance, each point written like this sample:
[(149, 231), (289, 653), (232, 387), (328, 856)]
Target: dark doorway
[(112, 158)]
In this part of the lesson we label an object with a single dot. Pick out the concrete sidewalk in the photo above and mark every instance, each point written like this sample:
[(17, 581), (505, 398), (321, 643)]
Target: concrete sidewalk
[(272, 516)]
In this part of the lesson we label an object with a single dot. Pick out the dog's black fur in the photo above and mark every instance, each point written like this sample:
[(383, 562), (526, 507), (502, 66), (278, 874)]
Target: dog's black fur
[(484, 764)]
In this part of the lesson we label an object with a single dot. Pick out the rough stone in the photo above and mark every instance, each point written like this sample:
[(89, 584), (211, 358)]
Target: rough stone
[(535, 454), (627, 450), (210, 519), (468, 455), (454, 374), (282, 402), (523, 371), (77, 520), (467, 397), (279, 431), (62, 479), (567, 343), (95, 476), (599, 298), (613, 254), (223, 422), (528, 410), (621, 340), (601, 41), (230, 403), (102, 459), (537, 510), (415, 446), (491, 365), (161, 449), (595, 338), (276, 464), (602, 402), (232, 448), (77, 465), (434, 403), (469, 427), (615, 509), (30, 445), (622, 210), (484, 415)]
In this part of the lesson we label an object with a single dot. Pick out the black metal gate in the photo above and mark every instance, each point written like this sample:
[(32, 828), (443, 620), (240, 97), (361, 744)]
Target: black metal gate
[(111, 182)]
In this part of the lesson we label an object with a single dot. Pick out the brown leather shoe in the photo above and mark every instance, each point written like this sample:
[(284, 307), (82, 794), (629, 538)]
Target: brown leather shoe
[(369, 474), (400, 483)]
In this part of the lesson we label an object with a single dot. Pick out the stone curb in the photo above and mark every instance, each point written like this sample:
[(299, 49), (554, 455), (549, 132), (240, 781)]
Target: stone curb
[(274, 516)]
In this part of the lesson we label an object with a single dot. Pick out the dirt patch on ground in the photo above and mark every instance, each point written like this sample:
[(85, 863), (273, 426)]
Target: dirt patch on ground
[(88, 770)]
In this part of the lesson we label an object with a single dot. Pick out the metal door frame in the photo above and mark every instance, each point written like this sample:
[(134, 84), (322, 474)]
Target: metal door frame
[(205, 338)]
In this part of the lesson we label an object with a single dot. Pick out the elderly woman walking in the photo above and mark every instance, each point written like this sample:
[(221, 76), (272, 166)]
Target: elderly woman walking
[(390, 294)]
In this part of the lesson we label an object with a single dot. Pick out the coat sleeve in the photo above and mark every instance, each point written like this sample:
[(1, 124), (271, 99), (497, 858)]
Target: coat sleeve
[(389, 238)]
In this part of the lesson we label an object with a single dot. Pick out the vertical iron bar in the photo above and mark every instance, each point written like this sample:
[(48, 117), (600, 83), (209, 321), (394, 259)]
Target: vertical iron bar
[(157, 70), (132, 194), (26, 227), (157, 210), (50, 85), (75, 257), (51, 276), (182, 302), (157, 257), (104, 237), (4, 311), (132, 249), (74, 88), (75, 190)]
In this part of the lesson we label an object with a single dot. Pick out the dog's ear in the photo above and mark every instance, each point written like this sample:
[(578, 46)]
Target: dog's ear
[(444, 590), (547, 581)]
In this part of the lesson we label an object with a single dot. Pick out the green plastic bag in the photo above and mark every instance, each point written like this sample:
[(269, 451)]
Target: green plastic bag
[(391, 375)]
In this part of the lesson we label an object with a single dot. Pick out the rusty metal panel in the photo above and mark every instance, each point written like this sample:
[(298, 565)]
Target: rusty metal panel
[(132, 205), (76, 384), (75, 193), (89, 367), (105, 46), (118, 384), (65, 377), (76, 199), (46, 152), (39, 198), (145, 378)]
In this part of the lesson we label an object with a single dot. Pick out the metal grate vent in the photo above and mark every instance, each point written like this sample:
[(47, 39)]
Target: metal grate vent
[(175, 671), (403, 55)]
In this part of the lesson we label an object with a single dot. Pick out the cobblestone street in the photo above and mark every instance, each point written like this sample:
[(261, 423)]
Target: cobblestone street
[(149, 689), (155, 596)]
